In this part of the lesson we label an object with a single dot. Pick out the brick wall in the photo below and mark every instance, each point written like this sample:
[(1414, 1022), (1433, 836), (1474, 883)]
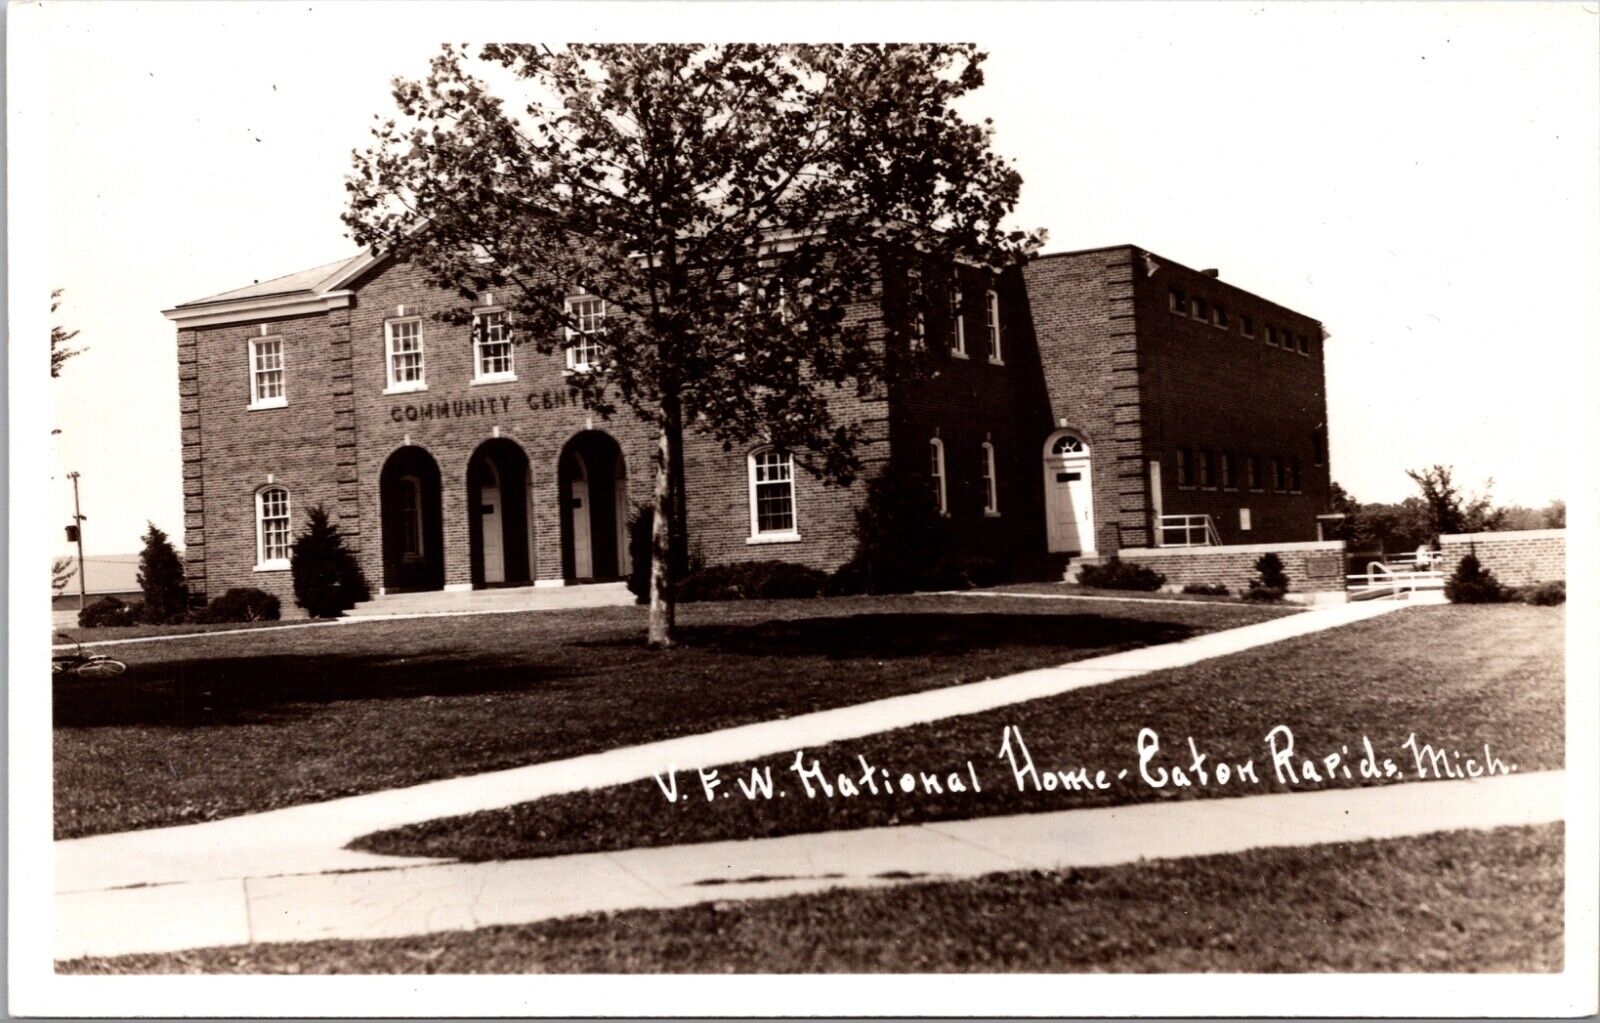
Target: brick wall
[(1311, 567), (1516, 558), (1209, 386)]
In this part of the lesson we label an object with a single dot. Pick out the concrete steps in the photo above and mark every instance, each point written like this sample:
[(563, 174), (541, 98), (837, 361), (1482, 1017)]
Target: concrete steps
[(521, 598)]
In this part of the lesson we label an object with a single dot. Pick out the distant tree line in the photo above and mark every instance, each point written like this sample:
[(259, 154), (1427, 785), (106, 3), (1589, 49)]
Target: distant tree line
[(1439, 507)]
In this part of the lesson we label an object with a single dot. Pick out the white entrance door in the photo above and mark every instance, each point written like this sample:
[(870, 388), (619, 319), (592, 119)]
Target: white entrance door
[(490, 511), (582, 544), (1068, 496)]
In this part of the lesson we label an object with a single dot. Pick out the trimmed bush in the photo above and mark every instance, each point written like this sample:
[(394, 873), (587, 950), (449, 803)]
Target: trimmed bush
[(1270, 583), (1543, 594), (1471, 583), (753, 580), (327, 580), (240, 604), (166, 595), (896, 526), (1207, 589), (108, 612), (1116, 574)]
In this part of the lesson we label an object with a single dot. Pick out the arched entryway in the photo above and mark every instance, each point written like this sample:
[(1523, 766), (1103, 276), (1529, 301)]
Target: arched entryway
[(1068, 493), (594, 508), (410, 514), (497, 514)]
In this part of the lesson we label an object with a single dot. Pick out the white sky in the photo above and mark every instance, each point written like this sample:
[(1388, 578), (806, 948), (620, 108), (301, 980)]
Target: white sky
[(1423, 178)]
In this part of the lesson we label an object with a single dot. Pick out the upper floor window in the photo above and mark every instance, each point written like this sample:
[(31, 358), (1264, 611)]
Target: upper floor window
[(1272, 335), (1319, 446), (1280, 474), (1177, 302), (1228, 479), (272, 528), (1185, 468), (958, 325), (1302, 344), (404, 341), (991, 321), (267, 388), (1199, 308), (1252, 472), (586, 329), (1208, 468), (936, 474), (991, 488), (772, 511), (491, 347), (1247, 326), (1219, 317)]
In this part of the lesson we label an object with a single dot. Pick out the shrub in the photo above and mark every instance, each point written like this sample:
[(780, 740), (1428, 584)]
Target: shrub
[(1116, 574), (1207, 589), (166, 595), (108, 612), (753, 580), (639, 553), (848, 580), (240, 604), (1270, 573), (1258, 594), (1543, 594), (327, 580), (896, 526), (1471, 583)]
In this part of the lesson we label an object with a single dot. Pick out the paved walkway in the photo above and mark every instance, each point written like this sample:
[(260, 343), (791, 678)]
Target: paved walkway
[(420, 900), (310, 838)]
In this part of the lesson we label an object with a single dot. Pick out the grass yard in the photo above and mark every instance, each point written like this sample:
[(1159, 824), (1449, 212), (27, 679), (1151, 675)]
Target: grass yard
[(1457, 676), (74, 633), (1074, 590), (1464, 901), (211, 727)]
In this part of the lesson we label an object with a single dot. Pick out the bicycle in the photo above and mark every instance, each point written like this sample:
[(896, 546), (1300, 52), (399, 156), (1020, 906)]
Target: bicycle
[(84, 665)]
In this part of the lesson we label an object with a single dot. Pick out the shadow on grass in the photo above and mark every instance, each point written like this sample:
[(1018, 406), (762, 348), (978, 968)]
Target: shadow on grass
[(885, 636), (213, 691)]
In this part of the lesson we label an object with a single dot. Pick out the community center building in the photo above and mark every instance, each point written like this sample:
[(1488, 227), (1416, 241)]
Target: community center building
[(1081, 404)]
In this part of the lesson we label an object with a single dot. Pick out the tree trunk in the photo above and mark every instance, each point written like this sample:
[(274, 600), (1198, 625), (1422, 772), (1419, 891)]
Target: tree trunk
[(668, 530)]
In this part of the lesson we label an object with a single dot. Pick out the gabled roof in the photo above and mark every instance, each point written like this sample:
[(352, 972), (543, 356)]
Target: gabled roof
[(309, 291)]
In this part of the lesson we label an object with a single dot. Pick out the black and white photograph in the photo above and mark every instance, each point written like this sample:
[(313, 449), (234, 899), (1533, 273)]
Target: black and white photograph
[(803, 508)]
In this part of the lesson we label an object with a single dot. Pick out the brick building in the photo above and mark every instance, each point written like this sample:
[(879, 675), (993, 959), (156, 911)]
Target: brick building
[(1084, 403)]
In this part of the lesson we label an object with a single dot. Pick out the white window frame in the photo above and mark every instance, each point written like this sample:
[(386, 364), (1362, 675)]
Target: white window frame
[(991, 485), (958, 328), (936, 447), (280, 399), (263, 563), (757, 535), (479, 317), (404, 386), (578, 340), (991, 322)]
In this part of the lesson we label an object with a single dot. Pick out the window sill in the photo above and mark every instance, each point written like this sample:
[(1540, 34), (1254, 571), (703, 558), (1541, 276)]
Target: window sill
[(958, 355), (272, 566), (405, 388), (498, 378), (761, 538), (997, 362), (988, 514), (256, 406)]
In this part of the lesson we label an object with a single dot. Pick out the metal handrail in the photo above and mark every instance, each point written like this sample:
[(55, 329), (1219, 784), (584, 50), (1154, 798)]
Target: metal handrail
[(1196, 530)]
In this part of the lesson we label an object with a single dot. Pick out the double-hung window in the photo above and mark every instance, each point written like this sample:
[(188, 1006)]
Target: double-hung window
[(492, 357), (772, 510), (1229, 482), (267, 386), (586, 329), (936, 474), (1252, 472), (958, 325), (407, 371), (1185, 468), (991, 488), (272, 529), (991, 322)]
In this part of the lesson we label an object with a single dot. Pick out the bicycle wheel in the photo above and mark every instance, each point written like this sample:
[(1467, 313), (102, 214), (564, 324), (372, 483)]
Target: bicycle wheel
[(101, 667)]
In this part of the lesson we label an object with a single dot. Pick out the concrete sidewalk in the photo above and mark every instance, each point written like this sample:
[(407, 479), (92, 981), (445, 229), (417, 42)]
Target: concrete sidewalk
[(420, 900), (310, 838)]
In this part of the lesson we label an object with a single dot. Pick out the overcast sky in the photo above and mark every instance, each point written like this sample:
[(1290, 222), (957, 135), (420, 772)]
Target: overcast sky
[(1422, 178)]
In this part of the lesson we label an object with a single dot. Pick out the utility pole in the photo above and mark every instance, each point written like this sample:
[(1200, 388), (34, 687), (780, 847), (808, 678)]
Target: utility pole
[(77, 527)]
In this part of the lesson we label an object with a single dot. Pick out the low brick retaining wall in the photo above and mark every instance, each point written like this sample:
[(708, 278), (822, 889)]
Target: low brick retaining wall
[(1516, 558), (1311, 567)]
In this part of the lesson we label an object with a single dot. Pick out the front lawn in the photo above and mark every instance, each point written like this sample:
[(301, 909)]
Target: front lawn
[(214, 726), (1457, 676), (1457, 902)]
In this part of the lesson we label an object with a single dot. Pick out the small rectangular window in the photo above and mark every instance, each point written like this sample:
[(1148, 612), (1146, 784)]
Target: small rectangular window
[(407, 371), (267, 389), (936, 474), (1185, 469), (1178, 302), (491, 345), (1219, 317), (1208, 468), (1199, 308), (1302, 344), (1228, 480), (1279, 474), (1272, 335), (1252, 472), (991, 488), (585, 329), (1294, 474), (1247, 326), (1319, 446)]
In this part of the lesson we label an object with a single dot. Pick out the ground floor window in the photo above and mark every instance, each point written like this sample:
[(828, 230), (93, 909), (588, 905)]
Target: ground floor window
[(272, 528), (991, 493), (772, 511), (936, 474)]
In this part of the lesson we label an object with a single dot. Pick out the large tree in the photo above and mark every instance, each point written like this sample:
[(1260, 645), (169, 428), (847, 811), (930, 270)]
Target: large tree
[(730, 204)]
